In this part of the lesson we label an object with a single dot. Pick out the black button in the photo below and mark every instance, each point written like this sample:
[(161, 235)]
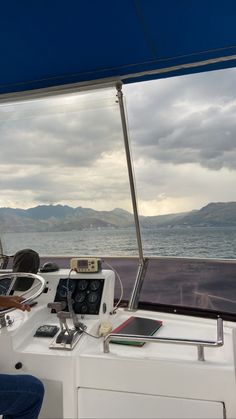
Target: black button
[(18, 365)]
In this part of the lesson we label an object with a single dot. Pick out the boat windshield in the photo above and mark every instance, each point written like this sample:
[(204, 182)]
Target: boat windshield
[(182, 132), (64, 181), (65, 185)]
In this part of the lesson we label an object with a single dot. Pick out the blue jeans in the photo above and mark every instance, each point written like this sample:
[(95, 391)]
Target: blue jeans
[(21, 396)]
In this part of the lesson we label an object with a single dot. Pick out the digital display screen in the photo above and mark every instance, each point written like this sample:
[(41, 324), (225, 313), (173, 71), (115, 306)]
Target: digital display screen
[(82, 263)]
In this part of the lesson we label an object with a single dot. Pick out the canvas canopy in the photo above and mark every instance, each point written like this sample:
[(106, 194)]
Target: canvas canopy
[(50, 43)]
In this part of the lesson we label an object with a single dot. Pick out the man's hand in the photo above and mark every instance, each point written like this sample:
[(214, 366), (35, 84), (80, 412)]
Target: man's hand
[(13, 301)]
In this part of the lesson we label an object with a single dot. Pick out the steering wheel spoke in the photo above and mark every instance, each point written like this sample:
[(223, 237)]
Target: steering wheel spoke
[(34, 291)]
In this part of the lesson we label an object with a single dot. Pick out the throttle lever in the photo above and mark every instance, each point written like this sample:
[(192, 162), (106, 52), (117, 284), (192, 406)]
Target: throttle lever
[(57, 306)]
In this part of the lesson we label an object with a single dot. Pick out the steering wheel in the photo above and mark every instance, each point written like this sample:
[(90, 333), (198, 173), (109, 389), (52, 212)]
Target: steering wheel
[(14, 275)]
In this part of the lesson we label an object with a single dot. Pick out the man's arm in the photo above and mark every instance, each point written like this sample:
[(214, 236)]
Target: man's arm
[(13, 301)]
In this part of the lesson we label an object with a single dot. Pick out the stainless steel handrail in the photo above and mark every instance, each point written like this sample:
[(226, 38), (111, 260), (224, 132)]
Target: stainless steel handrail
[(156, 339)]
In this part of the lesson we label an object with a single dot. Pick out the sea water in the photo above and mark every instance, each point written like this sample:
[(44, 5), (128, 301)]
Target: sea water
[(199, 242)]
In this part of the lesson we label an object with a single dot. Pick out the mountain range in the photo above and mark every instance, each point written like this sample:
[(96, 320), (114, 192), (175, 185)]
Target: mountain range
[(45, 218)]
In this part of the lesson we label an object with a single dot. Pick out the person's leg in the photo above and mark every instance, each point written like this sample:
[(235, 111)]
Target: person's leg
[(21, 396)]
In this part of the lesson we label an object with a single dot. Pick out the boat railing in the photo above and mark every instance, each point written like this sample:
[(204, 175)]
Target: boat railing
[(200, 344)]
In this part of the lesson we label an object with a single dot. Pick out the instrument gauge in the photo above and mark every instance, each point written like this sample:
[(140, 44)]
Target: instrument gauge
[(95, 285), (80, 307), (65, 286), (80, 297), (84, 308), (93, 297), (82, 285)]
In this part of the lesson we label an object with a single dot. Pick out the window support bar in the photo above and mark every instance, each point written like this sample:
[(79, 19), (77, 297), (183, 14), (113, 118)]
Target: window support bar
[(133, 303)]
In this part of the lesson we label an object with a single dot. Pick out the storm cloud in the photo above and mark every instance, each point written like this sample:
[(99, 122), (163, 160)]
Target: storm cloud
[(70, 150), (188, 119)]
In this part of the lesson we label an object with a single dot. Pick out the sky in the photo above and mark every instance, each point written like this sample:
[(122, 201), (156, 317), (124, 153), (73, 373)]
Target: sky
[(69, 150)]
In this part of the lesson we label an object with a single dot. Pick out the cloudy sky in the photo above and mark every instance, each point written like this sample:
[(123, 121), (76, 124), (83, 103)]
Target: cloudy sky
[(69, 150)]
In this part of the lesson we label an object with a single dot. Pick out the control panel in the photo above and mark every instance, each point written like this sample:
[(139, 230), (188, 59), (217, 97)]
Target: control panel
[(86, 294), (91, 294)]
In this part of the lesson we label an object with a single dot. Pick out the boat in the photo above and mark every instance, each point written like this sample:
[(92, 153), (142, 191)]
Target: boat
[(97, 356)]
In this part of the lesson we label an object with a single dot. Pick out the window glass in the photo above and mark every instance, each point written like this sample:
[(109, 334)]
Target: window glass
[(183, 136), (63, 176)]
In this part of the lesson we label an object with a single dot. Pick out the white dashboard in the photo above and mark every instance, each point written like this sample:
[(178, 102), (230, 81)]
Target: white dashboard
[(157, 380)]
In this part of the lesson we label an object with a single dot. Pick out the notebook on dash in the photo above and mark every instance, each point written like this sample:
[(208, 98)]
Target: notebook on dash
[(137, 326)]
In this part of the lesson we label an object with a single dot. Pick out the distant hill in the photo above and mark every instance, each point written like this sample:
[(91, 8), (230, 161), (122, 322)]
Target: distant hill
[(61, 218), (220, 214), (64, 218), (162, 220)]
